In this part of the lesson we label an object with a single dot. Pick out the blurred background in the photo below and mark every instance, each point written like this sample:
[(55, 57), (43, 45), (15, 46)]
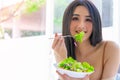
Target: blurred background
[(26, 25)]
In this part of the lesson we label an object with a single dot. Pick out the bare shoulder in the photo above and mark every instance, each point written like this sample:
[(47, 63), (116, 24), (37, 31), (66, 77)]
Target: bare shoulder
[(112, 43), (108, 45), (112, 46), (112, 49), (111, 59)]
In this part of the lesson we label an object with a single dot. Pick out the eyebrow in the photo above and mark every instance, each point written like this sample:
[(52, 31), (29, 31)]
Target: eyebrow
[(79, 15)]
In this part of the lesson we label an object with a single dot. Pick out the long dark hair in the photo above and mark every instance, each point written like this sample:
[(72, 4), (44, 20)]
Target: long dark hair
[(96, 35)]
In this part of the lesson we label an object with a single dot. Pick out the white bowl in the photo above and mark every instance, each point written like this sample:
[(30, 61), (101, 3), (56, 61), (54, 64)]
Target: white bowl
[(72, 73)]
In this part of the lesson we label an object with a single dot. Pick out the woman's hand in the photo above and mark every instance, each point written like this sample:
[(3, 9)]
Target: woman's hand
[(66, 77), (59, 48)]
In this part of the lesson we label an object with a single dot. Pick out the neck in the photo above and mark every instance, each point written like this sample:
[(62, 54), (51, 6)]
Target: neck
[(84, 49)]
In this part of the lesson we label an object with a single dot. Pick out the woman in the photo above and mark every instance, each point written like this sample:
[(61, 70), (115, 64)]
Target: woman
[(82, 15)]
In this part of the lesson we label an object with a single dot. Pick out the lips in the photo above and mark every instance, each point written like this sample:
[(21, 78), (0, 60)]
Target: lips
[(80, 31)]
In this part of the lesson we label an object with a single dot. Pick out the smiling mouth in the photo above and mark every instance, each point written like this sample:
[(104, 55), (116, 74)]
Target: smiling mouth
[(80, 31)]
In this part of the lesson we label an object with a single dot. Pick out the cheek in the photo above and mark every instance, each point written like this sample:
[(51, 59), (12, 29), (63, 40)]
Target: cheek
[(89, 27), (72, 27)]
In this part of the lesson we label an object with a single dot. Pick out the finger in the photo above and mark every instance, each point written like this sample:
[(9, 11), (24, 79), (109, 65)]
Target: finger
[(58, 73), (63, 43), (60, 44), (62, 48), (56, 39), (86, 77), (56, 34), (66, 77), (61, 75)]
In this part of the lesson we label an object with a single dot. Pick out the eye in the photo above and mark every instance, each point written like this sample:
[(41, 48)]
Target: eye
[(89, 20), (75, 18)]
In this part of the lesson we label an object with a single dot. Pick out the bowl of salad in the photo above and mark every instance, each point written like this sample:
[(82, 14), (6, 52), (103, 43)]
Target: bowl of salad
[(73, 68)]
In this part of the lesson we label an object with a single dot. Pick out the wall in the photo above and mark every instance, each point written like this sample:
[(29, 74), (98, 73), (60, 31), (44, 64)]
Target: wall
[(25, 59)]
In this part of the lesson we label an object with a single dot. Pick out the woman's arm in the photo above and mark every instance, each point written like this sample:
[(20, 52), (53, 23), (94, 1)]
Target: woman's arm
[(112, 78), (111, 61), (59, 48)]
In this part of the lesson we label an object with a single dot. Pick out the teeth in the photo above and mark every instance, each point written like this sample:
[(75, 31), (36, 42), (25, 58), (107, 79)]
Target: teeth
[(77, 31), (80, 31)]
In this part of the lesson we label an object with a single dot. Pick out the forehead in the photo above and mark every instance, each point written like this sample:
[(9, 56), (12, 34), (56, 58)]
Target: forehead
[(81, 10)]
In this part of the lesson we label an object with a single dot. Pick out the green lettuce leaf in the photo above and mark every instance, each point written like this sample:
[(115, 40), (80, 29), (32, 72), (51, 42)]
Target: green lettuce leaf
[(79, 37), (72, 65)]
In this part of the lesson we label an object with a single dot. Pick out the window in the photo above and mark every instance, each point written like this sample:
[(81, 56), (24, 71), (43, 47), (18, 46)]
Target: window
[(107, 13), (23, 18), (59, 8)]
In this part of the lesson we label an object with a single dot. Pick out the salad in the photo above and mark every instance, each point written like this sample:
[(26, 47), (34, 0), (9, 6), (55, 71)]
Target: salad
[(79, 37), (72, 65)]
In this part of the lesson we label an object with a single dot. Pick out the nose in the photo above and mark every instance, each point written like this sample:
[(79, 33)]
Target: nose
[(80, 27)]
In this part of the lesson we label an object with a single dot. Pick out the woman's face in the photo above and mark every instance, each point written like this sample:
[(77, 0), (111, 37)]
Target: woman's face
[(81, 21)]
